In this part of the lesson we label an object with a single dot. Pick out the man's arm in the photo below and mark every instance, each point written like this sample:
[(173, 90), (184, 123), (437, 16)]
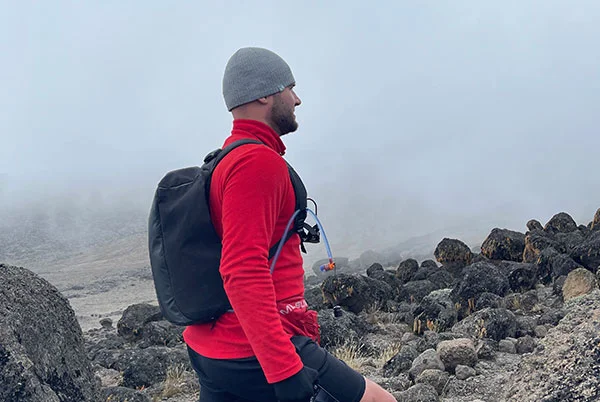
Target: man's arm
[(255, 190)]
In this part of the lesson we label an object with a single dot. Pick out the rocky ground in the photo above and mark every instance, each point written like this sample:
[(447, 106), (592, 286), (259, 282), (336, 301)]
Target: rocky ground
[(518, 320)]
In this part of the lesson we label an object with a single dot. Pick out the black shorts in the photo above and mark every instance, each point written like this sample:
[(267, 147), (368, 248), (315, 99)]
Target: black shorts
[(242, 380)]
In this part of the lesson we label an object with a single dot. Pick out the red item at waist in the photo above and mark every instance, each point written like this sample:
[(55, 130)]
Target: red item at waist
[(226, 339), (297, 319)]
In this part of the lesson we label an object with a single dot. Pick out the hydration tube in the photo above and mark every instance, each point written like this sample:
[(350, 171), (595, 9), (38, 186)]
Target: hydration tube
[(325, 267), (331, 265)]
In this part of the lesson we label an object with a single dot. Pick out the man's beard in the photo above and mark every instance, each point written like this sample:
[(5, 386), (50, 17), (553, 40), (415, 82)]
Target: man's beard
[(283, 119)]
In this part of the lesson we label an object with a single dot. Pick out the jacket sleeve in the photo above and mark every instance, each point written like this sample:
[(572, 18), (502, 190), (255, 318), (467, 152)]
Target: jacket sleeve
[(255, 189)]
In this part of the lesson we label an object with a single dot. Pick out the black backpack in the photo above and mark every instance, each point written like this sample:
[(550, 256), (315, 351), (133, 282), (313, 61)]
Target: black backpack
[(184, 248)]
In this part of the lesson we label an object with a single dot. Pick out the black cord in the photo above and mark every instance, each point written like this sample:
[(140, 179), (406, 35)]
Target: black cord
[(314, 202)]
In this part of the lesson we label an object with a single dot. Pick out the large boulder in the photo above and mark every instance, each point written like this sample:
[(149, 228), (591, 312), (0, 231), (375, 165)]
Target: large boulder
[(429, 264), (579, 282), (561, 223), (565, 367), (161, 333), (134, 318), (149, 366), (552, 264), (521, 276), (377, 272), (436, 311), (570, 241), (374, 269), (534, 225), (407, 269), (337, 331), (424, 272), (588, 252), (503, 244), (536, 241), (441, 278), (595, 223), (479, 278), (104, 349), (42, 354), (453, 251), (356, 292)]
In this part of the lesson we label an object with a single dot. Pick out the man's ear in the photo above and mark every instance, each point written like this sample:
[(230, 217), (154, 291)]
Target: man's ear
[(263, 101)]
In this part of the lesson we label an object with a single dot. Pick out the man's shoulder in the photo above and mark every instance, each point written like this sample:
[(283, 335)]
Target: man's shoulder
[(251, 159), (254, 154)]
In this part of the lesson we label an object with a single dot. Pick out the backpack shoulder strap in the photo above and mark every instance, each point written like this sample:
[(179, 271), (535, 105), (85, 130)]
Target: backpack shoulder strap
[(306, 232), (218, 154), (212, 159)]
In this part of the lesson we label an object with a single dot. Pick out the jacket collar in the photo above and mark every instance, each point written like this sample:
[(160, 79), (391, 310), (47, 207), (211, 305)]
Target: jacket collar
[(243, 128)]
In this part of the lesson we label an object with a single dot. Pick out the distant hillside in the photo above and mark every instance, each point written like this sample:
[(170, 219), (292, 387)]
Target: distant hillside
[(70, 232), (39, 236)]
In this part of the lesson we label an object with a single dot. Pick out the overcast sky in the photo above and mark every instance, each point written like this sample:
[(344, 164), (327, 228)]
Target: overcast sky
[(416, 116)]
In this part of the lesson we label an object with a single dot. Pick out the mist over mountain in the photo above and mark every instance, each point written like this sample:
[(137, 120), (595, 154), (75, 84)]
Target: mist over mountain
[(42, 234), (416, 120)]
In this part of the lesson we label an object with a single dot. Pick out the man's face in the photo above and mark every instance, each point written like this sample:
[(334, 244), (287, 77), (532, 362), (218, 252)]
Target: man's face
[(282, 112)]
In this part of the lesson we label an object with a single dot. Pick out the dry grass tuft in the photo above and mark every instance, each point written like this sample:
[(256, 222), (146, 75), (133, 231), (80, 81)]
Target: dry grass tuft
[(513, 302), (175, 383), (354, 356), (351, 354), (389, 352), (375, 315)]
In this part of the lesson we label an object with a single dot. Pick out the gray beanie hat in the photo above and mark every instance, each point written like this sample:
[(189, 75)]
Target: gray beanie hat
[(253, 73)]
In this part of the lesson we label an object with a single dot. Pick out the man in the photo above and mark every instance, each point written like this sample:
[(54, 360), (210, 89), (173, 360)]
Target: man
[(265, 349)]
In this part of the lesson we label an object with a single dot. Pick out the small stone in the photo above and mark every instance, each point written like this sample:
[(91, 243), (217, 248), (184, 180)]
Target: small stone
[(464, 372), (507, 346), (541, 331), (436, 378), (419, 392), (486, 348), (106, 323), (426, 360), (525, 344), (457, 352), (400, 382)]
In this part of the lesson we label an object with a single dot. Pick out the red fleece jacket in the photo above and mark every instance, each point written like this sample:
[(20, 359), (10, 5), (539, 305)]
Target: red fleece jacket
[(251, 201)]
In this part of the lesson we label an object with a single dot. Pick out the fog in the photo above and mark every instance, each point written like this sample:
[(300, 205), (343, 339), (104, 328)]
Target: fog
[(446, 117)]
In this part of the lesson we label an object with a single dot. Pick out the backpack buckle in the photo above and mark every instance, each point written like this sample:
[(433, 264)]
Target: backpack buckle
[(311, 235)]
